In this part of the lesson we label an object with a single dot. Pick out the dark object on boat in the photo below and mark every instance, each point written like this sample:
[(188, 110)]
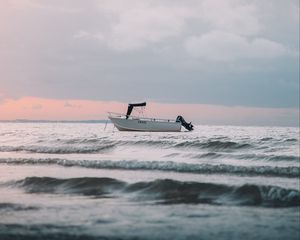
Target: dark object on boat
[(132, 105), (188, 126)]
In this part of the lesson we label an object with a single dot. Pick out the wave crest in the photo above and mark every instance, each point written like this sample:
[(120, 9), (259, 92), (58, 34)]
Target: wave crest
[(58, 150), (83, 186), (214, 145), (166, 191), (291, 172), (68, 146)]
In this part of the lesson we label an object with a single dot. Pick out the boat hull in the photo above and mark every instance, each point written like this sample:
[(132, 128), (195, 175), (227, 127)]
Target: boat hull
[(142, 125)]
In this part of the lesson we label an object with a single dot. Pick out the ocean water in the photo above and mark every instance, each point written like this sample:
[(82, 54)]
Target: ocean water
[(85, 181)]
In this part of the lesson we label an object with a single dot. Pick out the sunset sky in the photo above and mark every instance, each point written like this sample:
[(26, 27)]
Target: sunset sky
[(212, 61)]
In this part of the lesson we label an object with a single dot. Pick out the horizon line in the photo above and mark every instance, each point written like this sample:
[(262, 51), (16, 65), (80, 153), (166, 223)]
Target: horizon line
[(108, 121)]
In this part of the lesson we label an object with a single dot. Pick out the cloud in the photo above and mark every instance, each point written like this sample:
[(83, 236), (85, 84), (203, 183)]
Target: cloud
[(224, 46), (171, 51), (136, 24), (52, 6), (137, 28), (133, 25), (231, 16), (81, 34)]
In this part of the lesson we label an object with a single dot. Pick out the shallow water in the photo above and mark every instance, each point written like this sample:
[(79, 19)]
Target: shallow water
[(79, 181)]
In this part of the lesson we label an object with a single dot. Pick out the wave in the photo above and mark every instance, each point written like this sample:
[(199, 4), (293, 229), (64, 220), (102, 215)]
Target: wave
[(271, 158), (12, 231), (266, 139), (209, 155), (291, 140), (15, 207), (214, 145), (283, 158), (58, 150), (83, 186), (80, 140), (290, 172), (94, 145), (247, 156), (166, 191)]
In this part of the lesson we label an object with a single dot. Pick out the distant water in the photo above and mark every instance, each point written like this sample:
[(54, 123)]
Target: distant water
[(81, 181)]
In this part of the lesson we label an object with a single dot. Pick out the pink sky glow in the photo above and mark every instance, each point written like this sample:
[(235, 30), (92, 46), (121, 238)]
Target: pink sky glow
[(33, 108)]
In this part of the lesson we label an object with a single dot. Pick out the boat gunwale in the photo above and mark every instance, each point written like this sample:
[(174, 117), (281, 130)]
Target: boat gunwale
[(123, 116)]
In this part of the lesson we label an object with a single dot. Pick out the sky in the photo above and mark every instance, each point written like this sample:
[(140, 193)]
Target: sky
[(216, 61)]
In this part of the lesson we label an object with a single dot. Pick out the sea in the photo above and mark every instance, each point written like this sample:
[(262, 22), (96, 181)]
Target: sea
[(90, 181)]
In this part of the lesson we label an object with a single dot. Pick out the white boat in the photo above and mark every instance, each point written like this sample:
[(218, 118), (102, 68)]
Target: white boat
[(126, 122)]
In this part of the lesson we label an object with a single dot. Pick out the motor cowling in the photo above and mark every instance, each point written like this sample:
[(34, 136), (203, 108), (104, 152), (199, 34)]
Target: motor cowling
[(188, 126)]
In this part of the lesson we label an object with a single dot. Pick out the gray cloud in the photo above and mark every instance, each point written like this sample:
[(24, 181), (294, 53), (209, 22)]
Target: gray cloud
[(223, 46), (239, 53)]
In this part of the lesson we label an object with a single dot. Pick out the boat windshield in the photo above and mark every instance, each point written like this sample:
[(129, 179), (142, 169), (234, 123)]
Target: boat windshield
[(132, 105)]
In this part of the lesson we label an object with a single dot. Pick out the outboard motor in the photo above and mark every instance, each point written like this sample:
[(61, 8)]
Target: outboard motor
[(188, 126)]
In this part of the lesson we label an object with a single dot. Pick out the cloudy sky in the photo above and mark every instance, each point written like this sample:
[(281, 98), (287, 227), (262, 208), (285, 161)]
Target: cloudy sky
[(218, 58)]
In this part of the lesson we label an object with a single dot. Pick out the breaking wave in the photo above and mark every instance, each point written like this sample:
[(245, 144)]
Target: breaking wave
[(84, 186), (290, 172), (166, 191)]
